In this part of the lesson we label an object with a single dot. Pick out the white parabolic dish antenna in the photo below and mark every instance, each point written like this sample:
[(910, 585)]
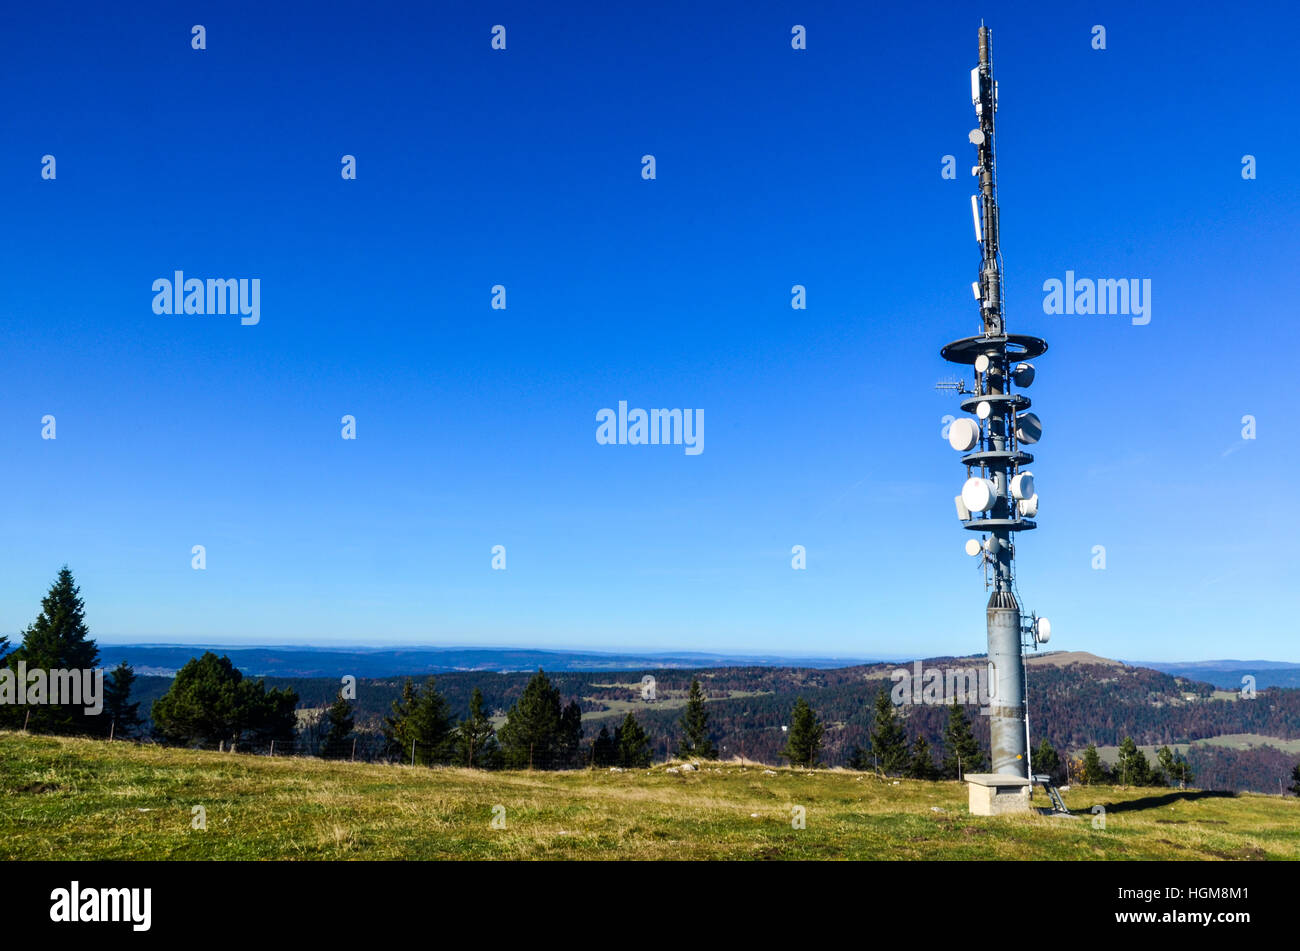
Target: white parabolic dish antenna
[(1022, 486), (1029, 428), (978, 494), (963, 434)]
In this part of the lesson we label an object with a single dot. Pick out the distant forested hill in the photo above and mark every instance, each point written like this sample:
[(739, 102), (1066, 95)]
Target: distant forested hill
[(1073, 702)]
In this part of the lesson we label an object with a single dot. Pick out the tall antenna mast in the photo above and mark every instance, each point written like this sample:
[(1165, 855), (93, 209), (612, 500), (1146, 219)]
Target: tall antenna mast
[(984, 95), (999, 500)]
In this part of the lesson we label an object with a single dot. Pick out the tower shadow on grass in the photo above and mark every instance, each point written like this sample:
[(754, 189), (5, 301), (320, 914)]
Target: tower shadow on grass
[(1155, 802)]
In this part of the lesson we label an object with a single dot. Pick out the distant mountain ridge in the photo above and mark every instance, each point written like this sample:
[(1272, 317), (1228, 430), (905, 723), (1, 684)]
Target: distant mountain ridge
[(1228, 674), (165, 659)]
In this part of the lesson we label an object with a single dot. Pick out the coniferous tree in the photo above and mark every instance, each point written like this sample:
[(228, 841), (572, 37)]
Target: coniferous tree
[(633, 746), (530, 736), (604, 752), (806, 732), (122, 716), (1094, 770), (420, 722), (397, 725), (888, 738), (962, 753), (1295, 780), (475, 738), (859, 758), (57, 640), (569, 738), (920, 763), (1131, 768), (340, 718), (695, 725), (1046, 759), (211, 701), (1175, 767)]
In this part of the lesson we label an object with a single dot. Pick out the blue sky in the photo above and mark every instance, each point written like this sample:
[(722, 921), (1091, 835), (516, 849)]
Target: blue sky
[(476, 427)]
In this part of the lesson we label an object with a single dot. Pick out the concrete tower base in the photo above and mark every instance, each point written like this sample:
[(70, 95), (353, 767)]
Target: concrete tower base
[(997, 794)]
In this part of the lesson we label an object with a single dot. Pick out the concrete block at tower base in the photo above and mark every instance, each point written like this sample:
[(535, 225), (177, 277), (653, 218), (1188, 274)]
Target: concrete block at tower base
[(997, 794)]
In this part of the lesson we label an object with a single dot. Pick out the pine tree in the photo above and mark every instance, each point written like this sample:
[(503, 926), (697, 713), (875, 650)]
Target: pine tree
[(604, 752), (1132, 769), (530, 735), (962, 753), (1174, 767), (340, 719), (888, 738), (695, 725), (210, 701), (633, 744), (1046, 760), (569, 739), (920, 764), (475, 737), (1094, 770), (122, 716), (420, 721), (806, 733), (58, 640), (1295, 780), (859, 758)]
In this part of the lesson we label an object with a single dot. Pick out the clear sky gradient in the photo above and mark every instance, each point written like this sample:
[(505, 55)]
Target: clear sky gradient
[(476, 427)]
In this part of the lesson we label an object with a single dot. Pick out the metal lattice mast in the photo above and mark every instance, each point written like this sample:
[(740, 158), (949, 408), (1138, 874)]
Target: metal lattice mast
[(1003, 489)]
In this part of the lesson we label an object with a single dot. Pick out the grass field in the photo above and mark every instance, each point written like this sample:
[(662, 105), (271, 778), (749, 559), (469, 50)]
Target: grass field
[(85, 799)]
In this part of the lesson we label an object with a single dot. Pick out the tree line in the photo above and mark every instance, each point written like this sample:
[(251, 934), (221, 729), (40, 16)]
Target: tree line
[(210, 702)]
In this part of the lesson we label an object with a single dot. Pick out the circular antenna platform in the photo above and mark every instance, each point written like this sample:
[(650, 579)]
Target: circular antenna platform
[(1006, 524), (1015, 346)]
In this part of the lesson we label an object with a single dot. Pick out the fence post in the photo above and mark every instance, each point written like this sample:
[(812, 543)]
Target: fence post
[(413, 752), (273, 747)]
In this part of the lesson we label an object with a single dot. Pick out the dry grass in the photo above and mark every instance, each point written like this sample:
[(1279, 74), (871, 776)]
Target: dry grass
[(86, 799)]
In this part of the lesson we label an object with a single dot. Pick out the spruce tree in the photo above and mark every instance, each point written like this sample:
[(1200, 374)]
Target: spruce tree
[(633, 744), (475, 737), (806, 732), (1094, 770), (1295, 780), (1131, 768), (920, 763), (122, 716), (340, 719), (420, 722), (433, 725), (210, 701), (1174, 766), (695, 725), (530, 736), (888, 738), (1046, 759), (962, 753), (569, 738), (604, 752), (58, 640)]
